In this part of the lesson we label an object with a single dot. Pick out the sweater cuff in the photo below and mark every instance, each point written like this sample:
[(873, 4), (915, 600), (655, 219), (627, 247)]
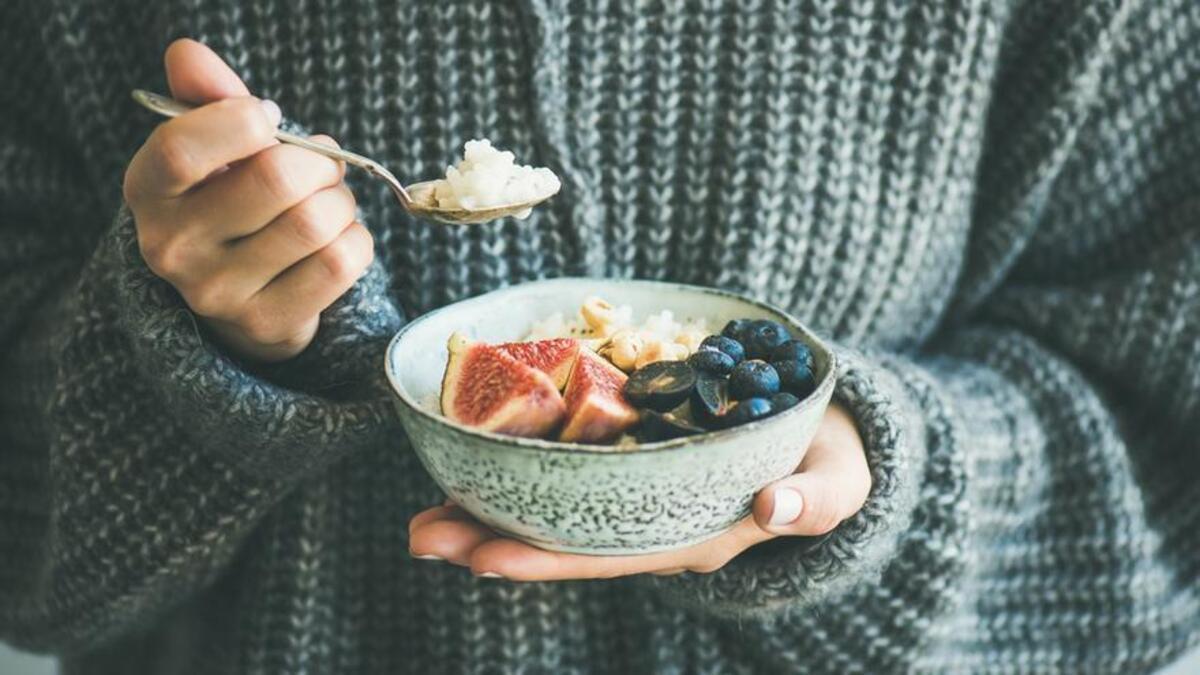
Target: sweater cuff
[(795, 572), (274, 422)]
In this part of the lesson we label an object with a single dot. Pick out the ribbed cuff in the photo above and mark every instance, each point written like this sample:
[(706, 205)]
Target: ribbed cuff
[(791, 573), (276, 422)]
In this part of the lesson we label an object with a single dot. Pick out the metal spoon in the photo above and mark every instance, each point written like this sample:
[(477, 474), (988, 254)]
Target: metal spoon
[(417, 198)]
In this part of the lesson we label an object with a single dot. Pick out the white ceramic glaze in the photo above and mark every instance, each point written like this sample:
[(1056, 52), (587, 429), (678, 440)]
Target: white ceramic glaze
[(586, 498)]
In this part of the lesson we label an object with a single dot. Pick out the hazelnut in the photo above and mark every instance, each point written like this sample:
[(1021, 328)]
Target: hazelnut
[(626, 346), (658, 350), (598, 313)]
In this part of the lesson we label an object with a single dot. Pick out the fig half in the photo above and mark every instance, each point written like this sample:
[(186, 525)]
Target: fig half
[(487, 389), (596, 410)]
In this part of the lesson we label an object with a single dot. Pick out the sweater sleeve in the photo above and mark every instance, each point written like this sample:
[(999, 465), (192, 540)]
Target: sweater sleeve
[(1035, 464), (135, 455)]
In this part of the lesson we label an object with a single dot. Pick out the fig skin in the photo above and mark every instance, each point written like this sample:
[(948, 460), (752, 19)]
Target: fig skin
[(597, 413), (486, 389)]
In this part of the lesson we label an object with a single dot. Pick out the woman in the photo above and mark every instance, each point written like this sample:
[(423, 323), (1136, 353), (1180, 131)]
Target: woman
[(989, 206)]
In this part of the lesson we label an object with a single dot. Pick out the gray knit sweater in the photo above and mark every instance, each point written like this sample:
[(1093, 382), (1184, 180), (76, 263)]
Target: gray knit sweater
[(991, 206)]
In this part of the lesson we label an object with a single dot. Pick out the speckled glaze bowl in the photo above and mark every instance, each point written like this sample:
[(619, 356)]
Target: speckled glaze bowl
[(586, 498)]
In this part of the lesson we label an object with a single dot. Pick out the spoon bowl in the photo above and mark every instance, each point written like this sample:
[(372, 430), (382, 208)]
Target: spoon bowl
[(417, 198), (423, 205)]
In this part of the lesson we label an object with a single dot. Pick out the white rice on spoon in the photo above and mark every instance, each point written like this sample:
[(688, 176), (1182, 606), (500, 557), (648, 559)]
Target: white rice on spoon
[(487, 177)]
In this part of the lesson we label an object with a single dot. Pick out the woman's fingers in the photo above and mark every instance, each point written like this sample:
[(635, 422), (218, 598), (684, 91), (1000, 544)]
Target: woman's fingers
[(832, 483), (297, 233), (196, 74), (308, 287), (444, 512), (183, 151), (448, 538), (206, 181), (518, 561), (251, 194)]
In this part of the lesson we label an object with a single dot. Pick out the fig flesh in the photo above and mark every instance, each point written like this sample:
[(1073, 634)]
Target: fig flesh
[(554, 357), (596, 410), (489, 390)]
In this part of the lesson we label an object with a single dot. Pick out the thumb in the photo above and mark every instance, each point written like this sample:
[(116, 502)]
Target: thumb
[(802, 504), (197, 75), (832, 484)]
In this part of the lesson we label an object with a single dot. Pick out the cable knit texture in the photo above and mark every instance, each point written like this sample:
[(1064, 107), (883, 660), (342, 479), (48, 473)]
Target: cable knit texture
[(991, 206)]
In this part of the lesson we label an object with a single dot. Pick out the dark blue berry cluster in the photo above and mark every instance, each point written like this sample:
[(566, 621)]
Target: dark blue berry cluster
[(752, 370)]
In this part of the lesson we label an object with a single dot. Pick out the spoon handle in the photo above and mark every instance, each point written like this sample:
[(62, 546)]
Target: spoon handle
[(169, 107)]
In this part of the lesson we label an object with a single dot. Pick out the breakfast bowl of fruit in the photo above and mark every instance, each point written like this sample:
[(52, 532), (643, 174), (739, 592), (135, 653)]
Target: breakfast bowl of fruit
[(608, 417)]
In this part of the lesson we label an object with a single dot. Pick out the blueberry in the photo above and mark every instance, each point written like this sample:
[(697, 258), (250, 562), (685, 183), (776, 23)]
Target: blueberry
[(707, 360), (763, 337), (782, 401), (661, 385), (737, 329), (710, 400), (793, 350), (728, 345), (747, 411), (794, 377), (753, 378)]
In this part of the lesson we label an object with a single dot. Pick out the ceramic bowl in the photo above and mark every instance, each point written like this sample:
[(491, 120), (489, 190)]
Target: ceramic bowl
[(587, 498)]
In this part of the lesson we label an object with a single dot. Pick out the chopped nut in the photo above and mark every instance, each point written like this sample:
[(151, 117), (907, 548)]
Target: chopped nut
[(690, 339), (626, 345), (598, 313), (658, 350)]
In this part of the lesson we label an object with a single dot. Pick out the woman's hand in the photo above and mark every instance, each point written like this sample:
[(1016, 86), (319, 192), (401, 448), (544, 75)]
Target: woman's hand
[(257, 236), (830, 485)]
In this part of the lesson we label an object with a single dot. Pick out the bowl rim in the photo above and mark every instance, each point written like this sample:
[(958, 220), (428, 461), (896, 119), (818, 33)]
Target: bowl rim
[(708, 438)]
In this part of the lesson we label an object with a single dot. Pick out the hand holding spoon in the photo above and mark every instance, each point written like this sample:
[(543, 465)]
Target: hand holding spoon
[(417, 198)]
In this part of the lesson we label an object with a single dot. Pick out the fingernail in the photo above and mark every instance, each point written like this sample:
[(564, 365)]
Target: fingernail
[(427, 556), (787, 507), (489, 575), (273, 112)]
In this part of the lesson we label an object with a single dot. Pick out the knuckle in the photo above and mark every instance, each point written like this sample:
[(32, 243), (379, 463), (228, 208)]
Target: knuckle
[(175, 158), (318, 220), (248, 115), (310, 226), (261, 327), (130, 190), (346, 201), (293, 343), (210, 298), (165, 256), (338, 260), (349, 254), (277, 176), (328, 170), (131, 183)]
